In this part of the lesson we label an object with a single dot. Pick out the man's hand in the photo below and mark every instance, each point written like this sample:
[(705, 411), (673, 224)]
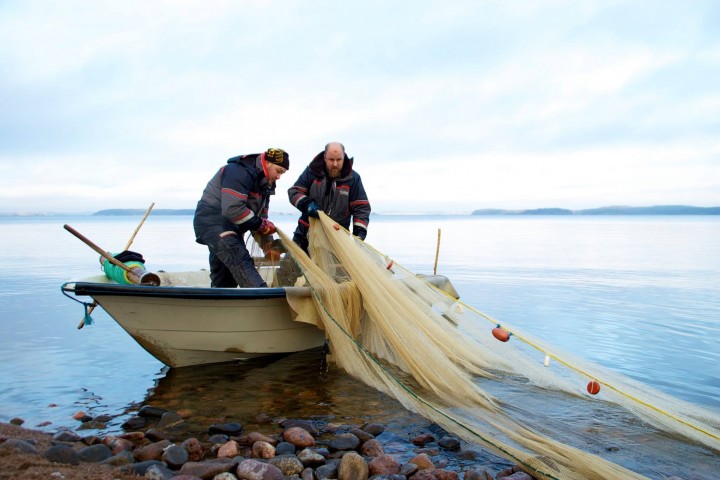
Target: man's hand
[(266, 227), (312, 209)]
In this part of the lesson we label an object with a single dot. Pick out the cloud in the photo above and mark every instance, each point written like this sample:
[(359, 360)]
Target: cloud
[(529, 103)]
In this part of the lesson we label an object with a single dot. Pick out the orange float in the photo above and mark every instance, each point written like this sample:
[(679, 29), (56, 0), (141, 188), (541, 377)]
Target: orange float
[(389, 265), (593, 387), (336, 226), (501, 334)]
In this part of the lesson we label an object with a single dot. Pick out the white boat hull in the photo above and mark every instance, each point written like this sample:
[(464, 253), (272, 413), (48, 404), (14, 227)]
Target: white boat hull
[(181, 325)]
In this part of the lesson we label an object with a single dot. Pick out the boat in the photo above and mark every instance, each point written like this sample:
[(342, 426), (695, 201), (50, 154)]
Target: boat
[(184, 322)]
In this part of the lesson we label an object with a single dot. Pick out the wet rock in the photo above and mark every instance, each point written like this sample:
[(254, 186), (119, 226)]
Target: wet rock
[(263, 418), (324, 472), (310, 458), (229, 429), (228, 449), (122, 458), (352, 467), (134, 437), (285, 448), (148, 411), (62, 454), (468, 454), (445, 475), (478, 473), (17, 421), (67, 436), (449, 443), (299, 437), (170, 419), (151, 452), (117, 444), (175, 456), (224, 476), (95, 453), (288, 464), (424, 475), (423, 462), (17, 445), (307, 474), (140, 468), (256, 470), (134, 423), (43, 424), (194, 448), (384, 465), (262, 449), (104, 418), (159, 472), (344, 441), (304, 424), (432, 452), (218, 438), (518, 476), (155, 435), (257, 437), (186, 477), (373, 429), (207, 469), (91, 440), (362, 434), (422, 439), (81, 416), (409, 469), (372, 448)]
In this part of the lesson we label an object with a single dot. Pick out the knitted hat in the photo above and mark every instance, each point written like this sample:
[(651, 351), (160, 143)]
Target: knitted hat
[(278, 156)]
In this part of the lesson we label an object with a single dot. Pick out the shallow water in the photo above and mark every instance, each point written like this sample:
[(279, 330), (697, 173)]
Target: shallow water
[(640, 295)]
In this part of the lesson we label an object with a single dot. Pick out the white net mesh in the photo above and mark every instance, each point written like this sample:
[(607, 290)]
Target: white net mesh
[(401, 335)]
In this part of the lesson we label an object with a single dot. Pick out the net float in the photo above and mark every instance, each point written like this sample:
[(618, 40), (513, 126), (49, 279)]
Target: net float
[(547, 360), (389, 265), (501, 334), (593, 387), (336, 226)]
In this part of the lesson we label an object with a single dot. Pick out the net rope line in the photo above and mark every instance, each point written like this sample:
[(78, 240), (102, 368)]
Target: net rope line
[(570, 365), (573, 463)]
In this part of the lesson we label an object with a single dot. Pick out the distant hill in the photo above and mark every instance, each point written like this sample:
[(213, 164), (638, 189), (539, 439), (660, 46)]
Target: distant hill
[(138, 211), (614, 210)]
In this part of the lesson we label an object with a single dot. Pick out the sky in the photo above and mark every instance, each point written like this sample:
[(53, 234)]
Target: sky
[(445, 106)]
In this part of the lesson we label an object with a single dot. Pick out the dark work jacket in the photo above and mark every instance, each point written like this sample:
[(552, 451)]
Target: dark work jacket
[(342, 198), (235, 199)]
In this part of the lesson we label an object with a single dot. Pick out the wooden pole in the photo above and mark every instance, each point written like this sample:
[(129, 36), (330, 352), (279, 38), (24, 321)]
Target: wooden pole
[(139, 225), (133, 275), (127, 246), (437, 253)]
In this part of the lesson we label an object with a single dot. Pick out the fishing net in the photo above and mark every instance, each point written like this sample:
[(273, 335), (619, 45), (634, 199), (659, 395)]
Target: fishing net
[(436, 355)]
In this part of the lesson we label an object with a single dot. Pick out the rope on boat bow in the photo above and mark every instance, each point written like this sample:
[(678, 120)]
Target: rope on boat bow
[(88, 307)]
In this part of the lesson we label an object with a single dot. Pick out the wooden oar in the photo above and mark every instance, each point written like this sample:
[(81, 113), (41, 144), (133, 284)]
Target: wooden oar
[(127, 246)]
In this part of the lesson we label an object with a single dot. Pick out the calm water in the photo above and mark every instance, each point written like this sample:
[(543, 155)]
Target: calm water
[(640, 295)]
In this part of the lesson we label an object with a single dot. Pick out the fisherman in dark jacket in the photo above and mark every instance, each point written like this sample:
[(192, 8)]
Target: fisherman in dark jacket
[(235, 201), (330, 184)]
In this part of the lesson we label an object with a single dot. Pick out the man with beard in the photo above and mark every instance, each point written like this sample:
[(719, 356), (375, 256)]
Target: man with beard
[(330, 184)]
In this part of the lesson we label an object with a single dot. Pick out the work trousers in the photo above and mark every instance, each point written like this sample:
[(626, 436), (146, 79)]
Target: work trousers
[(230, 262)]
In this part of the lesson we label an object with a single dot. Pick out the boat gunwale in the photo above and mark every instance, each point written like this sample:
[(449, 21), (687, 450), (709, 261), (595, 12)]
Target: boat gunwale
[(112, 289)]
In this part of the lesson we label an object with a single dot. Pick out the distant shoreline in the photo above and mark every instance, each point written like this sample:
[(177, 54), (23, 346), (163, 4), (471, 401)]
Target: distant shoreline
[(612, 210)]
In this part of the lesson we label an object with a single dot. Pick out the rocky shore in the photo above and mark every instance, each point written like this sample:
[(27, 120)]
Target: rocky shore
[(152, 448)]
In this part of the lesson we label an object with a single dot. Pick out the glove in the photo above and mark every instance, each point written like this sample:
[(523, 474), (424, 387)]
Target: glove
[(360, 232), (266, 227), (272, 255), (312, 209)]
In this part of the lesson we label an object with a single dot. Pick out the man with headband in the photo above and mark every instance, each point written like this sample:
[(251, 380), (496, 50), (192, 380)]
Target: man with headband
[(235, 201)]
